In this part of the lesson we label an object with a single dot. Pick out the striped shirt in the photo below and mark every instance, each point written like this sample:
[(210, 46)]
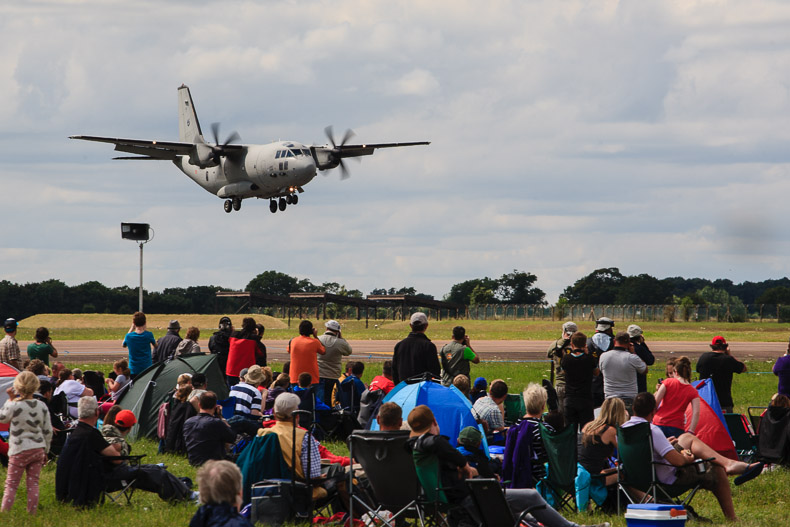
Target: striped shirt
[(248, 398)]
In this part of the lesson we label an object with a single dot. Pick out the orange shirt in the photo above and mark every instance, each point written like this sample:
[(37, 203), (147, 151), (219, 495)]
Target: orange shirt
[(304, 357)]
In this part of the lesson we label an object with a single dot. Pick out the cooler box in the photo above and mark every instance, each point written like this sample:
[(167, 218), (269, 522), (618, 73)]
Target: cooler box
[(655, 515)]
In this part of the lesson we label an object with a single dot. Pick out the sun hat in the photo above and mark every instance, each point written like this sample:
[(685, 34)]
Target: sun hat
[(604, 323), (254, 375)]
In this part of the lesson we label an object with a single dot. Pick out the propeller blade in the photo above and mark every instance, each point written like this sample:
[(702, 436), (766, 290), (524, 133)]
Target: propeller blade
[(215, 131), (349, 134), (343, 171), (330, 135), (233, 137)]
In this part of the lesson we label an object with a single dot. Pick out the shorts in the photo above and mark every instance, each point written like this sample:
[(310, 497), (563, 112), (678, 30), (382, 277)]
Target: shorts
[(691, 475)]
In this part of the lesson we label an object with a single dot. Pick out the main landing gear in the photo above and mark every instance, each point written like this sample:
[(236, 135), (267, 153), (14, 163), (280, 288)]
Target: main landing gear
[(232, 204), (282, 203)]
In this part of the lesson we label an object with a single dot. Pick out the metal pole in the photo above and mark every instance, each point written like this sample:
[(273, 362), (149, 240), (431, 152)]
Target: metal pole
[(140, 297)]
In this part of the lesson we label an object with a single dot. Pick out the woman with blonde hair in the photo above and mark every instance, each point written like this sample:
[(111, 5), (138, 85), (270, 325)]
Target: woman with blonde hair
[(599, 439), (31, 433), (672, 397), (180, 410)]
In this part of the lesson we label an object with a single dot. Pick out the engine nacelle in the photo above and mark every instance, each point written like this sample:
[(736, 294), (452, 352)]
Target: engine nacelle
[(242, 189), (202, 155)]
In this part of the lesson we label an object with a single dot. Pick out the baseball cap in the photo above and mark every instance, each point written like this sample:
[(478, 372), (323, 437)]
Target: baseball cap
[(570, 327), (480, 383), (470, 436), (420, 419), (718, 341), (334, 325), (634, 330), (286, 404), (604, 323), (419, 318), (10, 325), (125, 418)]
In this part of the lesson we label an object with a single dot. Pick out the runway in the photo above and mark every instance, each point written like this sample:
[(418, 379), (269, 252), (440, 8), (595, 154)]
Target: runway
[(111, 350)]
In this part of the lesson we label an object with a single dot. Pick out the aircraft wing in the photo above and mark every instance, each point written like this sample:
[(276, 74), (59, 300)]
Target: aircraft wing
[(166, 150), (366, 149)]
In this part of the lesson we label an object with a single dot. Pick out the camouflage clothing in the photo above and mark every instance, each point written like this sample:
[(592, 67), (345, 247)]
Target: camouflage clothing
[(113, 436), (556, 351)]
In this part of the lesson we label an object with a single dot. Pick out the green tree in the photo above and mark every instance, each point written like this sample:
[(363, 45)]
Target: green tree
[(279, 284), (517, 288), (775, 295), (461, 293), (481, 295), (643, 289), (599, 287)]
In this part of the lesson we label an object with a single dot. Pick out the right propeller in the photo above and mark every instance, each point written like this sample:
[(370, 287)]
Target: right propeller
[(218, 150), (337, 148)]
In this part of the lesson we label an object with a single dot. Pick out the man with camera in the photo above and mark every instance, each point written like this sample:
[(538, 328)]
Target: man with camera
[(207, 433), (457, 356)]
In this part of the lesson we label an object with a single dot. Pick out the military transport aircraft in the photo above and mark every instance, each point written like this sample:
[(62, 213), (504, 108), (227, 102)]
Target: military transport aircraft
[(277, 171)]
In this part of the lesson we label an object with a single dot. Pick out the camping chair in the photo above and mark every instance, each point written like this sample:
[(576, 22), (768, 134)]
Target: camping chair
[(307, 403), (126, 487), (773, 442), (491, 505), (59, 404), (228, 407), (390, 473), (755, 418), (742, 435), (514, 408), (349, 395), (432, 504), (560, 477), (637, 469)]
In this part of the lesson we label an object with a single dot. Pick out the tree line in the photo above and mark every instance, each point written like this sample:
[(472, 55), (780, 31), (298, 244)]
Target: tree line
[(602, 286)]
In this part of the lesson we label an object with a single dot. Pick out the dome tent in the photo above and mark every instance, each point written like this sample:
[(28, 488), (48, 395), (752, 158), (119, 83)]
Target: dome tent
[(152, 387)]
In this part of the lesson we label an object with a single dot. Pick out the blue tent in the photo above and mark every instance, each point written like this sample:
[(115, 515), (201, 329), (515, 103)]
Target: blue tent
[(452, 409)]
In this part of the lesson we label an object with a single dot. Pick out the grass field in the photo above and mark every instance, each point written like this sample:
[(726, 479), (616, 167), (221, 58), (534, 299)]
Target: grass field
[(762, 502), (114, 327)]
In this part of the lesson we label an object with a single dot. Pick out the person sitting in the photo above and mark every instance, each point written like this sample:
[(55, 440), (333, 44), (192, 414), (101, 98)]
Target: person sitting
[(55, 373), (424, 440), (180, 410), (266, 383), (461, 382), (599, 439), (470, 440), (343, 376), (44, 395), (199, 382), (535, 398), (116, 426), (355, 378), (384, 381), (116, 385), (86, 466), (674, 457), (304, 383), (281, 386), (220, 487), (390, 417), (307, 464), (488, 409), (207, 434), (39, 369), (73, 389), (247, 414), (479, 388)]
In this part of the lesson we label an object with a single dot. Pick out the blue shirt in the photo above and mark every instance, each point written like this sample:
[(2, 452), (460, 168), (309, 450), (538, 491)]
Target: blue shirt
[(139, 345)]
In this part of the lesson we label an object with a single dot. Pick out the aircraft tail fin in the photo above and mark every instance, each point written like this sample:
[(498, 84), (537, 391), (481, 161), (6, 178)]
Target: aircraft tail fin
[(188, 124)]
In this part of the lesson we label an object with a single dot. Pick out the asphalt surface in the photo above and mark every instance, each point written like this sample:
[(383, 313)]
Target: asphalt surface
[(515, 350)]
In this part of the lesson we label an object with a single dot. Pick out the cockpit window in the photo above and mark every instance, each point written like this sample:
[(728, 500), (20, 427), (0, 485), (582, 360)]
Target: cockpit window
[(296, 152), (289, 153), (306, 152), (277, 155)]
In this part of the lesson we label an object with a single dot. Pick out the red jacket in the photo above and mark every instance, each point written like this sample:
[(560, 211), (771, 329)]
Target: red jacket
[(241, 355)]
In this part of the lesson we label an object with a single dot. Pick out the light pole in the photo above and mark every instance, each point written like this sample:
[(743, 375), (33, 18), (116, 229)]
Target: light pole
[(139, 232)]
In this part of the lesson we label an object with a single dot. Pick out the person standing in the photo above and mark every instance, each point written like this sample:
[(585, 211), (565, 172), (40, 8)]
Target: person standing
[(579, 367), (140, 343), (329, 364), (415, 354), (556, 352), (42, 348), (719, 365), (782, 370), (643, 352), (457, 356), (243, 350), (601, 342), (9, 347), (190, 344), (619, 368), (31, 433), (166, 346), (219, 342), (304, 351)]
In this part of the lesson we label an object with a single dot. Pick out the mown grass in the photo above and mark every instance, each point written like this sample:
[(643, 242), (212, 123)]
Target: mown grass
[(114, 327), (762, 502)]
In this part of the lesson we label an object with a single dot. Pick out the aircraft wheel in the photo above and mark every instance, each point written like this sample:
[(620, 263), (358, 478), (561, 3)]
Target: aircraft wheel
[(236, 204), (288, 199), (283, 204), (228, 205), (272, 206), (294, 199)]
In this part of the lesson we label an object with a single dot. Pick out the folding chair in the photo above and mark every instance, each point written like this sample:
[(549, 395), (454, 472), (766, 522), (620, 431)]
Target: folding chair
[(773, 442), (755, 418), (742, 435), (228, 407), (491, 505), (560, 478), (433, 507), (390, 472), (636, 469), (514, 408), (349, 395), (127, 487), (307, 403)]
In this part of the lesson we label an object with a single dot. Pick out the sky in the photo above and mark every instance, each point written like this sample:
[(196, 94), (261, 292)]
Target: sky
[(651, 136)]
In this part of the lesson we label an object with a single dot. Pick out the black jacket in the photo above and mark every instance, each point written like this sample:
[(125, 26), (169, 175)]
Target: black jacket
[(219, 344), (166, 346), (449, 459), (415, 355), (218, 515)]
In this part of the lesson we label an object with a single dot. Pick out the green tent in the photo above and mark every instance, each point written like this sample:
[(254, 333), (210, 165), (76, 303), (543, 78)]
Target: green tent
[(151, 388)]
